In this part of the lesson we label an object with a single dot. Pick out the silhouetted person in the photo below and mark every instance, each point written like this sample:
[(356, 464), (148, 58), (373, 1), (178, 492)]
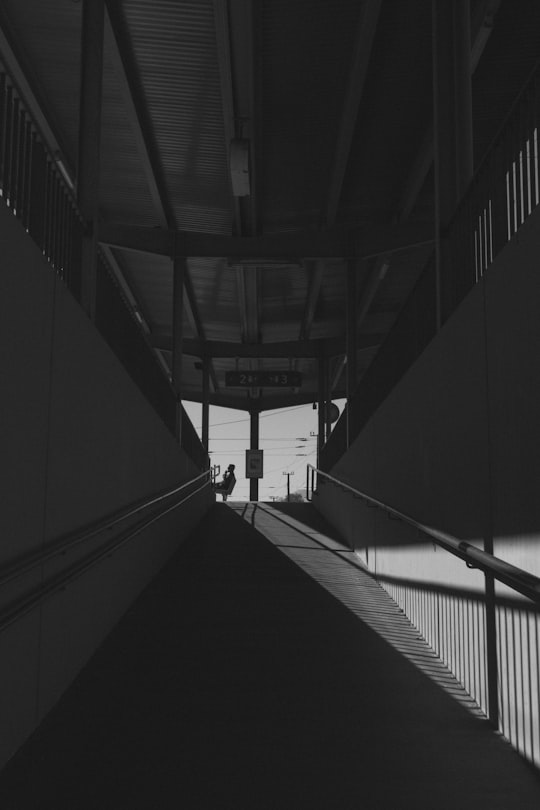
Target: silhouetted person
[(225, 487)]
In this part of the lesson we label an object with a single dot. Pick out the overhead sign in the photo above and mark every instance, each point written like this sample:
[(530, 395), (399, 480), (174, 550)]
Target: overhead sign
[(254, 463), (263, 379)]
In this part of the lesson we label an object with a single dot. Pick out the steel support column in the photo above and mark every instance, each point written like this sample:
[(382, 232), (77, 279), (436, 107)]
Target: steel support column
[(92, 32), (491, 650), (254, 445), (205, 402), (179, 271), (453, 142)]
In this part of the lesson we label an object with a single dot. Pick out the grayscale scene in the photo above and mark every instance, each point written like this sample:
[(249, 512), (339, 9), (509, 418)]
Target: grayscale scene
[(270, 312)]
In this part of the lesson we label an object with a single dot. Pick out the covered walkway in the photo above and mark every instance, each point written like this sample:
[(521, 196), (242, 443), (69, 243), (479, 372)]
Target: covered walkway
[(263, 668)]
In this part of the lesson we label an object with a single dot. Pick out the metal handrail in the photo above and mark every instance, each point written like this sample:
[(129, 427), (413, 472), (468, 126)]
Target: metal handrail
[(57, 583), (516, 578), (22, 566)]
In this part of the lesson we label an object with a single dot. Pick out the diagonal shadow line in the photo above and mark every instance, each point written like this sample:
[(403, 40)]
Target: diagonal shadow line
[(355, 562), (365, 600)]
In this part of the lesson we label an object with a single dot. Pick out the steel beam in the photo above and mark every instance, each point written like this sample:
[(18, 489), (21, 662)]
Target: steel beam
[(482, 27), (223, 41), (369, 16), (116, 53), (327, 347), (91, 90), (248, 302), (452, 124), (315, 273), (266, 402), (363, 242), (166, 237)]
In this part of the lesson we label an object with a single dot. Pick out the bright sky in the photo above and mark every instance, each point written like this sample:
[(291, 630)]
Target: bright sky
[(287, 436)]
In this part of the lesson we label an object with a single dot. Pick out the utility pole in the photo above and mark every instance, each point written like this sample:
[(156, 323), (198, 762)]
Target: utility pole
[(288, 474)]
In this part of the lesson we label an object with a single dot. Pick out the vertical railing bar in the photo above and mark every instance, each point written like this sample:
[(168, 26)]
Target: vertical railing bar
[(455, 636), (62, 232), (501, 670), (508, 207), (438, 624), (490, 232), (430, 598), (479, 648), (21, 154), (486, 254), (48, 204), (56, 232), (536, 188), (54, 219), (461, 643), (522, 187), (3, 124), (517, 147), (28, 175), (425, 615), (515, 680), (475, 648), (447, 626), (58, 228), (508, 680), (7, 144), (427, 620), (530, 131), (528, 175), (14, 154), (480, 246), (486, 661), (48, 208), (470, 688), (520, 687), (472, 649), (516, 198), (530, 729), (67, 237), (536, 620)]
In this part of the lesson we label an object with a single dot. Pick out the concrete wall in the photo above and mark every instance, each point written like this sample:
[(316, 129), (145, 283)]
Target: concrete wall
[(456, 446), (456, 443), (79, 441)]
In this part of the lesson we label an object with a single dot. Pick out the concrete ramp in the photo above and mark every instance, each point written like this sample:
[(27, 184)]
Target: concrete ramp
[(264, 668)]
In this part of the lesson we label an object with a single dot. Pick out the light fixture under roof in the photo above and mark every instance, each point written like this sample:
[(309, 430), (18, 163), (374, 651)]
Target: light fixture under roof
[(239, 167)]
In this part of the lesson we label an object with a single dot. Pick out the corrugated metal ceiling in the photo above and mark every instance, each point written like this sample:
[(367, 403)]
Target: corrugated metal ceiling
[(165, 153)]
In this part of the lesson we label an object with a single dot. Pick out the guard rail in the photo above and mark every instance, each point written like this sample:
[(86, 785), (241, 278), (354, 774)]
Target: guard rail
[(14, 611), (516, 578)]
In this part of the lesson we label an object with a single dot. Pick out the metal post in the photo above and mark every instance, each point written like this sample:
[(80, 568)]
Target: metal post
[(491, 652), (205, 402), (254, 445), (179, 269), (452, 125), (93, 18)]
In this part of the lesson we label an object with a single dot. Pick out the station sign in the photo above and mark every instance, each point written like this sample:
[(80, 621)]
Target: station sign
[(263, 379), (254, 463)]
